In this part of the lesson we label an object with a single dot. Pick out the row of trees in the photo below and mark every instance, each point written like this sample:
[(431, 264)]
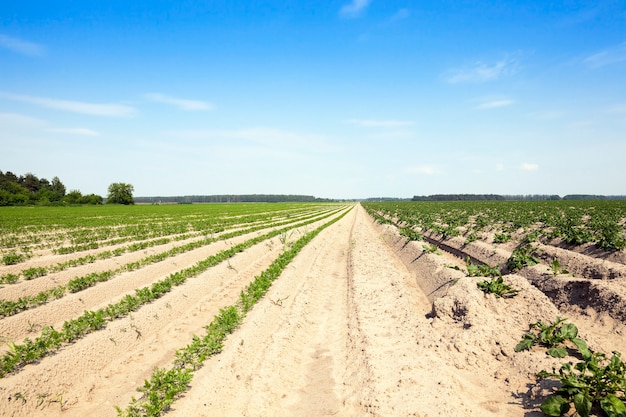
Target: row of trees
[(527, 197), (232, 198), (30, 190)]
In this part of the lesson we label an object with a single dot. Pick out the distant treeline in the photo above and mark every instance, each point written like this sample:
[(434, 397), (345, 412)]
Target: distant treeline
[(28, 189), (231, 198), (524, 197)]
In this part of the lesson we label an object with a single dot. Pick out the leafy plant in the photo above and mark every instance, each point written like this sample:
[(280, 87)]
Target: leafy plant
[(431, 248), (556, 269), (34, 272), (553, 336), (501, 238), (410, 234), (472, 237), (480, 270), (521, 257), (593, 381), (497, 287), (13, 258), (9, 278)]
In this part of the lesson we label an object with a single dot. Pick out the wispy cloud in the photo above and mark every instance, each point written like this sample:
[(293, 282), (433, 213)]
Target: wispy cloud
[(494, 104), (607, 56), (15, 119), (21, 46), (480, 72), (499, 167), (96, 109), (527, 166), (400, 15), (423, 170), (380, 123), (80, 131), (183, 104), (354, 9)]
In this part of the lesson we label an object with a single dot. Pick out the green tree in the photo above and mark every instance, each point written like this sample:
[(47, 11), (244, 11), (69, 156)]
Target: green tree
[(57, 188), (120, 193)]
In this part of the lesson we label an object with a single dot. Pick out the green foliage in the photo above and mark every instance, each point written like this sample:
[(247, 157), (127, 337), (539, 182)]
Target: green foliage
[(497, 287), (553, 337), (120, 193), (13, 258), (481, 270), (9, 278), (501, 237), (431, 248), (596, 380), (410, 234), (34, 272), (521, 257), (555, 267)]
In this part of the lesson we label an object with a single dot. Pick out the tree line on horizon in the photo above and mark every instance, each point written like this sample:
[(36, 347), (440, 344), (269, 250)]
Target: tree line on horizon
[(232, 198), (523, 197), (28, 189)]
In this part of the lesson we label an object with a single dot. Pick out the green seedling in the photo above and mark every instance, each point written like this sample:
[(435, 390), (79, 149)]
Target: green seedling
[(553, 337), (556, 269), (480, 270), (521, 257), (501, 238), (497, 287), (410, 234), (431, 248), (594, 381)]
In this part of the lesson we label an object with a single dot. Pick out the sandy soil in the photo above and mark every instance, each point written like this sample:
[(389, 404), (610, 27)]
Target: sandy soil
[(361, 323)]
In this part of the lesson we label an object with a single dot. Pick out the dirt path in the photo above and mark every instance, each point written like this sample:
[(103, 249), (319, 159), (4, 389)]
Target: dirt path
[(344, 341)]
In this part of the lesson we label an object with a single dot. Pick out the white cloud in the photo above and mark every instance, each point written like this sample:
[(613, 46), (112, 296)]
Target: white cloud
[(81, 131), (480, 72), (110, 110), (380, 123), (21, 46), (183, 104), (400, 15), (527, 166), (493, 104), (606, 57), (499, 167), (14, 119), (423, 170), (354, 9)]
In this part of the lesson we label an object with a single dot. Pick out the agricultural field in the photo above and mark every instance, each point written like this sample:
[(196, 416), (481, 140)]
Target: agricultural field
[(380, 309)]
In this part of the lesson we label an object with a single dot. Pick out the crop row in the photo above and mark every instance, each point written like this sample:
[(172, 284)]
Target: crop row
[(10, 307), (165, 385), (88, 228), (35, 272), (50, 340), (601, 223)]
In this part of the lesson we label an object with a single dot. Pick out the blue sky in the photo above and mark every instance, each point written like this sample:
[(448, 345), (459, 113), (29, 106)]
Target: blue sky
[(337, 99)]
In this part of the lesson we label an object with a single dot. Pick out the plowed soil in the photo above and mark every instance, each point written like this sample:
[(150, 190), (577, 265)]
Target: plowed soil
[(361, 323)]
